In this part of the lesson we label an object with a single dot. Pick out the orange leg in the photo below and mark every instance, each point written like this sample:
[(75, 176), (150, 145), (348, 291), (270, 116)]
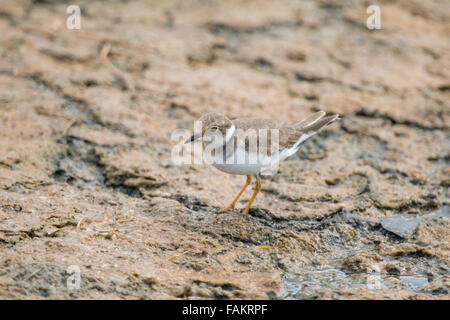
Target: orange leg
[(233, 203), (257, 189)]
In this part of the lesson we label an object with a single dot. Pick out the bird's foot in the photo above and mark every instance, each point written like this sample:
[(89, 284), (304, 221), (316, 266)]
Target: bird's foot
[(229, 207)]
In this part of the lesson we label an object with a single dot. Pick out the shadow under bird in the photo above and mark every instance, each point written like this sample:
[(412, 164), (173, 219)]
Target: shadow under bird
[(239, 147)]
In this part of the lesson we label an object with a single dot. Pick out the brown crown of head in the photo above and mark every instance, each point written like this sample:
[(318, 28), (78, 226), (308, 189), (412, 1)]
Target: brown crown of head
[(215, 121)]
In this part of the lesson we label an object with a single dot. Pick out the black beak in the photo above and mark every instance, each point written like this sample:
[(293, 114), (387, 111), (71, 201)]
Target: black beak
[(194, 137)]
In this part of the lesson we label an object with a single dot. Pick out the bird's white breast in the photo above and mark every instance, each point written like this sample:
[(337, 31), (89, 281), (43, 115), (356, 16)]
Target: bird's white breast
[(243, 162)]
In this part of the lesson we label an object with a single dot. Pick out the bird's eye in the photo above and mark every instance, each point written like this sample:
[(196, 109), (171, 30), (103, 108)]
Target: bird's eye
[(215, 128)]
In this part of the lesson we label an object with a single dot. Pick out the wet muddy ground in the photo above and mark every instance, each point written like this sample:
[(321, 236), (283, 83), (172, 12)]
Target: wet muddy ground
[(87, 180)]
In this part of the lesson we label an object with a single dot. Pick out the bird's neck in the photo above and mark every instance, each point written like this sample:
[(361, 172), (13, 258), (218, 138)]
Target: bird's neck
[(229, 133)]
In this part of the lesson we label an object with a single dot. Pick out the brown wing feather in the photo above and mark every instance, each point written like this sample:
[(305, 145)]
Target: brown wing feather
[(289, 133), (309, 120), (313, 123), (257, 124), (321, 123)]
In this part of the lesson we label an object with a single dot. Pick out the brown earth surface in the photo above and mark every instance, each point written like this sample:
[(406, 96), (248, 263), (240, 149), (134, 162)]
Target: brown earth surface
[(87, 180)]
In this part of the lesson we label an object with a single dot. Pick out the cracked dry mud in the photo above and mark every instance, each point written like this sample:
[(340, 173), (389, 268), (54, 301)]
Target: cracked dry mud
[(86, 176)]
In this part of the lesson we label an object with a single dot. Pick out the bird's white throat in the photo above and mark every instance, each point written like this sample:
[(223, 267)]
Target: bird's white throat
[(230, 133)]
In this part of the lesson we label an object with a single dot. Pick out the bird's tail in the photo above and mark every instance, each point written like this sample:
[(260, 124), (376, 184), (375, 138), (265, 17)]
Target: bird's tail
[(306, 129), (316, 121)]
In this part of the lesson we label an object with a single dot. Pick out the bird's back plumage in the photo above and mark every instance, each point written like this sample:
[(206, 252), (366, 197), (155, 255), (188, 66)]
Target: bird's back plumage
[(289, 133)]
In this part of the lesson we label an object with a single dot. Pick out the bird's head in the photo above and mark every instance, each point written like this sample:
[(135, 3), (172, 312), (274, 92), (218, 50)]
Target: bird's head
[(212, 124)]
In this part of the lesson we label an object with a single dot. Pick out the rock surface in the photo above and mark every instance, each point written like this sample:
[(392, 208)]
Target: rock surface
[(404, 225), (87, 180)]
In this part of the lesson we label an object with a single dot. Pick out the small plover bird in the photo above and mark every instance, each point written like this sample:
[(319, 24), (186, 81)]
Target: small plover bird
[(253, 147)]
